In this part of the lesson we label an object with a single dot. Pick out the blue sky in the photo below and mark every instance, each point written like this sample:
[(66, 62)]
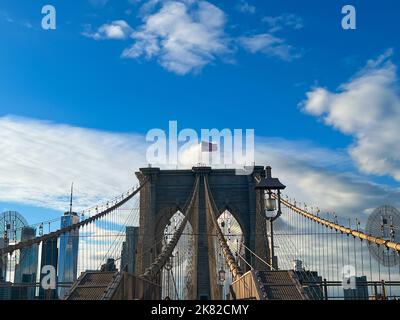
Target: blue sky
[(259, 59)]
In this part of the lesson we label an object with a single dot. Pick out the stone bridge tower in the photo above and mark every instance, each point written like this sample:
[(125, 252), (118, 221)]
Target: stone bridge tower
[(167, 191)]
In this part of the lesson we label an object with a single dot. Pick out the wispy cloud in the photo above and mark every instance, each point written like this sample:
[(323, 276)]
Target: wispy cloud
[(324, 178), (40, 159), (286, 20), (15, 20), (7, 18), (367, 107), (270, 45), (116, 30), (245, 7)]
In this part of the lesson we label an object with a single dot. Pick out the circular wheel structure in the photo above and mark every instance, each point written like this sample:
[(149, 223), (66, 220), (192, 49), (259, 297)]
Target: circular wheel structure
[(11, 224), (384, 222)]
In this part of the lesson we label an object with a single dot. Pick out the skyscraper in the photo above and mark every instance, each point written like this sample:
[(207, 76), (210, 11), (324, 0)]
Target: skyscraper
[(310, 280), (5, 291), (128, 254), (68, 253), (360, 292), (49, 257), (3, 263), (26, 269)]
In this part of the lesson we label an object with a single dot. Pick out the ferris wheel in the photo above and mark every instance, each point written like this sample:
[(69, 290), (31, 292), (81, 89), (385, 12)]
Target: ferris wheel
[(11, 224), (384, 222)]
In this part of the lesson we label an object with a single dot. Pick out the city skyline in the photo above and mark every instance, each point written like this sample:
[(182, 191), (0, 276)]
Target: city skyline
[(82, 251)]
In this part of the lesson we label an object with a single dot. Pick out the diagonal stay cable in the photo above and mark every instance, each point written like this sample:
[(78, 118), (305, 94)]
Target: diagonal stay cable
[(166, 253), (236, 271)]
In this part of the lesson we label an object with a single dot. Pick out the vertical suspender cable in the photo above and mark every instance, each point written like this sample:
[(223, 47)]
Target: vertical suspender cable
[(370, 264), (355, 254), (390, 280), (379, 268)]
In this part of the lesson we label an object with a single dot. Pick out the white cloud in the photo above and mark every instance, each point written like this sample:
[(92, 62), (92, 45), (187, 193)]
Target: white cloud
[(182, 36), (367, 107), (270, 45), (116, 30), (244, 6), (286, 20), (317, 176), (322, 177), (98, 242), (39, 160)]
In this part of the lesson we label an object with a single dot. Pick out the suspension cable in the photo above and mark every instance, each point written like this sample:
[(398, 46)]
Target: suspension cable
[(236, 271), (28, 243), (328, 224)]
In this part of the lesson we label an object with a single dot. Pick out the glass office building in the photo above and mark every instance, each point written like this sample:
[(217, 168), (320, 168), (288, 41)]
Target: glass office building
[(26, 269), (49, 257), (359, 292), (128, 254), (68, 254), (3, 263), (5, 291)]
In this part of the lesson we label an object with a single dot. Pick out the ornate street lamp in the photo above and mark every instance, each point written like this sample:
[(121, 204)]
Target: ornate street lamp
[(221, 281), (168, 265), (272, 210), (221, 275), (268, 185)]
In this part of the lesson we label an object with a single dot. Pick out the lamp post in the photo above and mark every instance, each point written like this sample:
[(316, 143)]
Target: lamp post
[(221, 275), (272, 211), (221, 279)]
